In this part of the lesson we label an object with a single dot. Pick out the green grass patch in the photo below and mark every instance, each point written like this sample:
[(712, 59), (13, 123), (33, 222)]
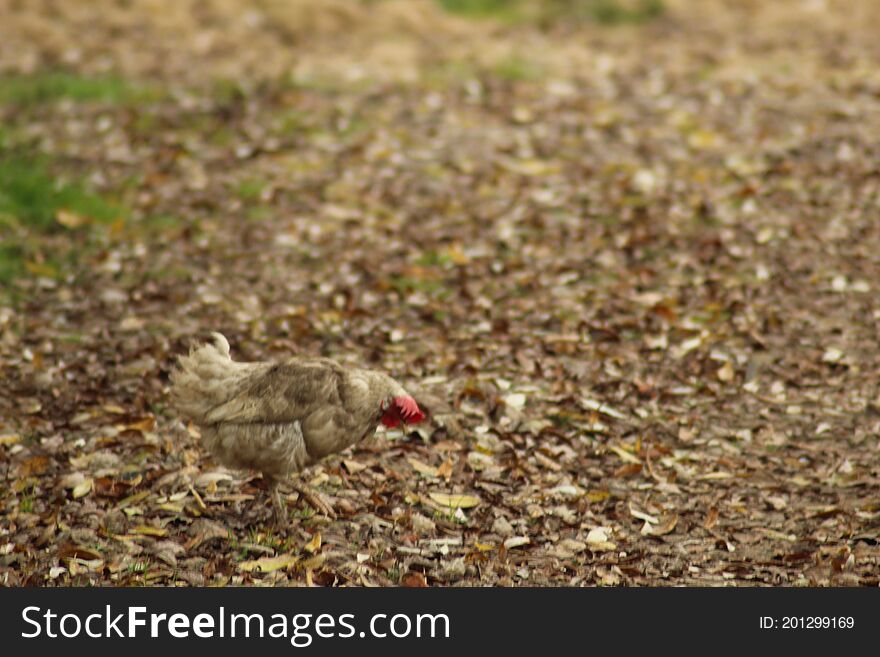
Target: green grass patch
[(449, 72), (12, 259), (503, 9), (35, 206), (152, 226), (226, 91), (30, 196), (605, 12), (292, 122), (46, 87), (250, 189), (517, 69), (258, 213), (435, 288), (433, 258)]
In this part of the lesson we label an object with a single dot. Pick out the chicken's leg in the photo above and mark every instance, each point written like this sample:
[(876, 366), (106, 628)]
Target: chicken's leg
[(278, 504), (314, 498)]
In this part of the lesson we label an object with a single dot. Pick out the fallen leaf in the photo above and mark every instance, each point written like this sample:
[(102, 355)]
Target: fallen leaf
[(598, 495), (145, 424), (725, 372), (599, 407), (832, 355), (515, 400), (414, 580), (146, 530), (71, 219), (455, 501), (445, 469), (36, 465), (313, 545), (269, 564), (73, 551), (422, 468), (663, 528), (597, 535), (353, 466), (83, 488), (641, 515), (623, 454), (72, 480)]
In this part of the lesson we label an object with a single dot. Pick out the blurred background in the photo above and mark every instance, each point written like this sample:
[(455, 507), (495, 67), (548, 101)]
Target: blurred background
[(533, 210)]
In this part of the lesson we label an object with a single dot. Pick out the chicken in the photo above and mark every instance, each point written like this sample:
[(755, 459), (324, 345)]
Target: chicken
[(278, 418)]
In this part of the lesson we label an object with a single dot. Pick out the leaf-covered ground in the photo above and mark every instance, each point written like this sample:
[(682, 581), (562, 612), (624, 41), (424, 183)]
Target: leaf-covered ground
[(633, 268)]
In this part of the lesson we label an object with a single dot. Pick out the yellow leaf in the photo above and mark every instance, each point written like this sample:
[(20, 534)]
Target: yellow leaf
[(314, 545), (132, 499), (455, 501), (146, 530), (712, 476), (483, 450), (10, 439), (530, 166), (445, 469), (83, 488), (516, 541), (457, 256), (353, 466), (423, 468), (313, 563), (624, 455), (41, 269), (71, 219), (598, 495), (703, 139), (268, 564)]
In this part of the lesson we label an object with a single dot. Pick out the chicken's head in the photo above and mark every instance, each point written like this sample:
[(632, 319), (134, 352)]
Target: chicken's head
[(402, 408)]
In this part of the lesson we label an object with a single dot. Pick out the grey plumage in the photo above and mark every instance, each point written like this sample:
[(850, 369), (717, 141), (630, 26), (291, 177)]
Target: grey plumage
[(278, 418)]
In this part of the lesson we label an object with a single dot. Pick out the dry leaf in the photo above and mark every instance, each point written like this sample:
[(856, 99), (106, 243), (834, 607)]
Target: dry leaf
[(146, 530), (269, 564), (353, 466), (414, 579), (422, 468), (626, 456), (725, 372), (71, 219), (445, 469), (516, 541), (455, 501), (83, 488), (313, 545)]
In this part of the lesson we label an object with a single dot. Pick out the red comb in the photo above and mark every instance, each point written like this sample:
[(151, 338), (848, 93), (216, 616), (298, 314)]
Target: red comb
[(409, 409)]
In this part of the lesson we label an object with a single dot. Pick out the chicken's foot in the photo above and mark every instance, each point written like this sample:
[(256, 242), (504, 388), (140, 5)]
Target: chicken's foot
[(278, 504), (314, 498)]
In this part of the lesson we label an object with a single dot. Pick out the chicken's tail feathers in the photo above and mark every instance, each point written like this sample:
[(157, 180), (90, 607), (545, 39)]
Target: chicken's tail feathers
[(221, 344), (206, 377)]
